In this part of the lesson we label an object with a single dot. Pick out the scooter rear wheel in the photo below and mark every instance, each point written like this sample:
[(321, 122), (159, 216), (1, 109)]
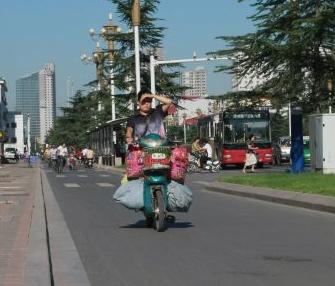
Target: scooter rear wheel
[(160, 219)]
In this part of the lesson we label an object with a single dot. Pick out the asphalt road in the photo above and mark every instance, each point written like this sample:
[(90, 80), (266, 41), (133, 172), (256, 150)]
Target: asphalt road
[(222, 240)]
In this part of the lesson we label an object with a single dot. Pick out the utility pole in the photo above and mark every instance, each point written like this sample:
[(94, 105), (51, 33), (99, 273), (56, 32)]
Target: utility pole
[(136, 19), (330, 92)]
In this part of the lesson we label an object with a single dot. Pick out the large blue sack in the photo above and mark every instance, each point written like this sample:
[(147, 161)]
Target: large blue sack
[(130, 195), (179, 197)]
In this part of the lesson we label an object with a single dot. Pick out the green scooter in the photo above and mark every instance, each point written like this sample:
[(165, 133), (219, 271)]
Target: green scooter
[(156, 169)]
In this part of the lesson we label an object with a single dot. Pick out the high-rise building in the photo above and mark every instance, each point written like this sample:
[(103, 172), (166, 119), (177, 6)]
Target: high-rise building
[(36, 96), (3, 114), (194, 100), (47, 95), (196, 80), (28, 102)]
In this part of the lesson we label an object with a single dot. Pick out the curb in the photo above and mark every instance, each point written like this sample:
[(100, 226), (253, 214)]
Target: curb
[(37, 268), (66, 266), (308, 201)]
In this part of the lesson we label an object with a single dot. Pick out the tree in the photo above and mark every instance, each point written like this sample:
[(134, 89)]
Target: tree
[(76, 120), (292, 49)]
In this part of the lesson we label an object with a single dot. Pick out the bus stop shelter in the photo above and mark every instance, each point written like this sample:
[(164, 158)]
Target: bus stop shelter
[(107, 141)]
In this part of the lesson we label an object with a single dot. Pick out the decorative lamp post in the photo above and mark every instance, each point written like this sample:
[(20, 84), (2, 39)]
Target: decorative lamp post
[(107, 33)]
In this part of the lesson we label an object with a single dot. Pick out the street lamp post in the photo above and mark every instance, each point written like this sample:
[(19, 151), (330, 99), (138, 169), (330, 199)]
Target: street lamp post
[(330, 91), (184, 123), (28, 134), (107, 32), (136, 19)]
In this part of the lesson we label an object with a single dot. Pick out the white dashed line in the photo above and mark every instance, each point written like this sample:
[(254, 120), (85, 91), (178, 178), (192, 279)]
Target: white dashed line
[(104, 185), (82, 176), (71, 185), (60, 176), (103, 175)]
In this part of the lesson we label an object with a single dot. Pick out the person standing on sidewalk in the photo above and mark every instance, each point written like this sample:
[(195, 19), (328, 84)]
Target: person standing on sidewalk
[(250, 156)]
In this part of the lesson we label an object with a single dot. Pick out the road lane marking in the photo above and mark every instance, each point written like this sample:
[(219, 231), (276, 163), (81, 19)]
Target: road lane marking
[(104, 185), (81, 170), (103, 175), (82, 176), (60, 176), (10, 187), (13, 193), (71, 185)]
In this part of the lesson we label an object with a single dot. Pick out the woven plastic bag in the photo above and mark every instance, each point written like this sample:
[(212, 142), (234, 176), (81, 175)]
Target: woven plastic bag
[(130, 194), (179, 197)]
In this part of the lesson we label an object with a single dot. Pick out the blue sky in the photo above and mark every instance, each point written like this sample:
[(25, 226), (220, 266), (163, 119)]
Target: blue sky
[(34, 32)]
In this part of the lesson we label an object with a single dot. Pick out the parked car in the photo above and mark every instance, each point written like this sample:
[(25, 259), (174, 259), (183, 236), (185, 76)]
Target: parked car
[(10, 154), (282, 150), (307, 152)]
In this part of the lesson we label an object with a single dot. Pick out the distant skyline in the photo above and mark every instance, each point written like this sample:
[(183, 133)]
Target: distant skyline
[(37, 32)]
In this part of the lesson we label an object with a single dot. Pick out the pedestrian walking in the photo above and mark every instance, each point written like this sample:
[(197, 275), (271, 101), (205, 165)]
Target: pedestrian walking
[(250, 156)]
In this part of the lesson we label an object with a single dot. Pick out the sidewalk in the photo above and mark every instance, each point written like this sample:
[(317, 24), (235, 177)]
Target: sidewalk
[(19, 187), (309, 201), (36, 247)]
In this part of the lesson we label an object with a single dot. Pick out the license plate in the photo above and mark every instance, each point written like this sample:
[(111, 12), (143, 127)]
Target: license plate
[(158, 156)]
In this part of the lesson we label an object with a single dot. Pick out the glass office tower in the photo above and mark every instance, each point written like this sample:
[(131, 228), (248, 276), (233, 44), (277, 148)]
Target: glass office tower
[(28, 102)]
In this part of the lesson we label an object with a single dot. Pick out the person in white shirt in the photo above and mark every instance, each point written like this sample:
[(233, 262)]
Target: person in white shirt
[(84, 152), (207, 154), (209, 150), (62, 152), (53, 153)]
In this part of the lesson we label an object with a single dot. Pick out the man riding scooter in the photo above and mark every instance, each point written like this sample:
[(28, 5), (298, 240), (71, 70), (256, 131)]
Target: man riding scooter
[(150, 161)]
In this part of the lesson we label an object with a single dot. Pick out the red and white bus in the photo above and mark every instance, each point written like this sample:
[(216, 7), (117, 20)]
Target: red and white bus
[(231, 129)]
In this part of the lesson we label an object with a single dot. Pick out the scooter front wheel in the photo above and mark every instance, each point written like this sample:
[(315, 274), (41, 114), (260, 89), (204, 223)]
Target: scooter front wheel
[(160, 218)]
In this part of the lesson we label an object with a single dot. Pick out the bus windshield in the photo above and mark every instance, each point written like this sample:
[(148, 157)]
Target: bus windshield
[(238, 129)]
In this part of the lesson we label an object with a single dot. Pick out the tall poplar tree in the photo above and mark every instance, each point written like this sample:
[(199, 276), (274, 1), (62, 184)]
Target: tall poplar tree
[(292, 50)]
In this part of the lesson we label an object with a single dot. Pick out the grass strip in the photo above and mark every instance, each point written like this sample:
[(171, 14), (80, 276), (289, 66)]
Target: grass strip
[(313, 183)]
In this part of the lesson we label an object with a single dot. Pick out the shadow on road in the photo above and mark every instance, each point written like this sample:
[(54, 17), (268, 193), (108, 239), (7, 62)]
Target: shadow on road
[(142, 224)]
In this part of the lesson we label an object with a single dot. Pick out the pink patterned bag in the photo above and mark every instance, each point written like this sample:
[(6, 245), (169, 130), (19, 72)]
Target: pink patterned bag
[(134, 163), (179, 162)]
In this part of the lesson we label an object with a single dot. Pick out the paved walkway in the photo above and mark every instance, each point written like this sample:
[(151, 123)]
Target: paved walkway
[(18, 187)]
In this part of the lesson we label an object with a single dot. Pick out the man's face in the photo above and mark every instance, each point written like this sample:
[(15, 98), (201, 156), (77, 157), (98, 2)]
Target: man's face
[(145, 103)]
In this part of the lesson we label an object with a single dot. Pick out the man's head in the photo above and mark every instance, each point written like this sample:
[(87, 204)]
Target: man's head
[(144, 102)]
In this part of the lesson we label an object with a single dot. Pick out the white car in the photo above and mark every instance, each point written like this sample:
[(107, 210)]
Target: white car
[(10, 154)]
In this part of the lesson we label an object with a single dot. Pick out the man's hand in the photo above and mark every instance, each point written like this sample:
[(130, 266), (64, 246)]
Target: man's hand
[(129, 135), (146, 97)]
